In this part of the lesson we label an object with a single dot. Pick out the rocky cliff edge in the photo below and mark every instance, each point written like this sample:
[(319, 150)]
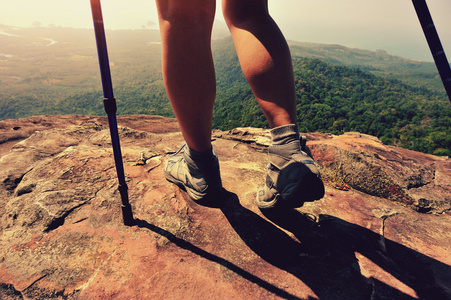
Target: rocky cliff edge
[(382, 231)]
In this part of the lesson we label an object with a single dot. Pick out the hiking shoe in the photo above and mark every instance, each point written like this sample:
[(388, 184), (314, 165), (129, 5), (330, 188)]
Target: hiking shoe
[(199, 178), (292, 177)]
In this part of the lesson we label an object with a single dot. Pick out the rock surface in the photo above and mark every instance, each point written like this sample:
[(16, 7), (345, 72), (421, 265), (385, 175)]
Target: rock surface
[(382, 231)]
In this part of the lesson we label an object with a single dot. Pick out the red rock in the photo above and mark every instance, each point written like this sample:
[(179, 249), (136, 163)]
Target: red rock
[(62, 235)]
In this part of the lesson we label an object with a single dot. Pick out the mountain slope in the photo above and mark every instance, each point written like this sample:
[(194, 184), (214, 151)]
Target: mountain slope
[(55, 71), (379, 62)]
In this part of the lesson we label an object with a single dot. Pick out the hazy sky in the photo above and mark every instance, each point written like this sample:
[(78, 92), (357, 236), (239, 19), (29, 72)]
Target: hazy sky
[(391, 25)]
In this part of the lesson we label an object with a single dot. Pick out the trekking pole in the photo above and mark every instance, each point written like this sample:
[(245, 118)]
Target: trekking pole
[(434, 43), (109, 103)]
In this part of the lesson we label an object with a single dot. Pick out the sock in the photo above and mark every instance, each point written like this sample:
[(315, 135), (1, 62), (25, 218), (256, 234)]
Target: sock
[(200, 156), (284, 134)]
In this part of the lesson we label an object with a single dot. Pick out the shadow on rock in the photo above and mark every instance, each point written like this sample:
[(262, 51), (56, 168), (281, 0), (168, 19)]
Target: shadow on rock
[(323, 256), (214, 258)]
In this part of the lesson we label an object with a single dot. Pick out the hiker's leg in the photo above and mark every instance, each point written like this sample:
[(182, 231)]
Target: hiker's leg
[(264, 57), (188, 71)]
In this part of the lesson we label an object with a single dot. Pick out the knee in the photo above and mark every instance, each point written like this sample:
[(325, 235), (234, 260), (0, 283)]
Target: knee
[(188, 17), (237, 12)]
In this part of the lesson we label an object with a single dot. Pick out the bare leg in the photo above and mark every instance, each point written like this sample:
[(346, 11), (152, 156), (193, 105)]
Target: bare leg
[(264, 57), (188, 71)]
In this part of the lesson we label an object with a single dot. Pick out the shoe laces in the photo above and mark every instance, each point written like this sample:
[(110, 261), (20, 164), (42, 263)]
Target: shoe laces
[(178, 151)]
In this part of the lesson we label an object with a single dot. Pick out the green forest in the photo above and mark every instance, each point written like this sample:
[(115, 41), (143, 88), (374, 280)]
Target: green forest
[(339, 90)]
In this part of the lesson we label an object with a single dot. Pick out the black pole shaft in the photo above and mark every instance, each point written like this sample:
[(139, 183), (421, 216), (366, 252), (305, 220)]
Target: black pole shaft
[(434, 43), (110, 108)]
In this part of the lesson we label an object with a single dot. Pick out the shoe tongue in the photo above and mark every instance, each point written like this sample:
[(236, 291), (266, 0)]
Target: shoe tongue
[(285, 151)]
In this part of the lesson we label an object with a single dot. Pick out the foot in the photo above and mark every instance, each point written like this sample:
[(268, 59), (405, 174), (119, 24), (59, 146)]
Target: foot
[(292, 177), (199, 177)]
